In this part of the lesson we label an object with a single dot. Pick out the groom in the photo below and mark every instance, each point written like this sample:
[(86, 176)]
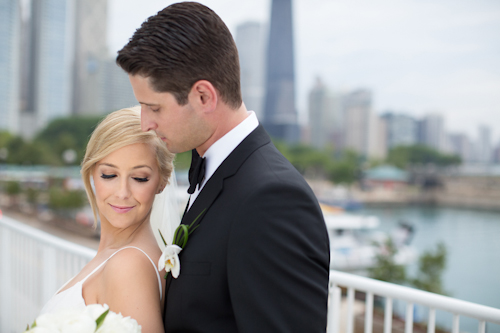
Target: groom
[(259, 259)]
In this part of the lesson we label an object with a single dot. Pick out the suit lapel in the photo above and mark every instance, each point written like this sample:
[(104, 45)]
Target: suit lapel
[(229, 166)]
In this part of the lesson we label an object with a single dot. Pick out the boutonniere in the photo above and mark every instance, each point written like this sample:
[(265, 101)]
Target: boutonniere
[(169, 259)]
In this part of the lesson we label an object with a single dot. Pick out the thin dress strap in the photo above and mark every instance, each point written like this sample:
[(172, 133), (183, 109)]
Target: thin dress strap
[(123, 248)]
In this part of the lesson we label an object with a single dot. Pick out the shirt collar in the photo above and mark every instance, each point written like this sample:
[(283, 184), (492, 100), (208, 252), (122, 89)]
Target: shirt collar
[(220, 150)]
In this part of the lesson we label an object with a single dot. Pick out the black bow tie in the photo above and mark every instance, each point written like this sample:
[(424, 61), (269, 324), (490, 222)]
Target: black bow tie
[(196, 171)]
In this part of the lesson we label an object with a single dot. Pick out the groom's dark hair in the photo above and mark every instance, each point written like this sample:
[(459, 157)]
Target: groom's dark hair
[(184, 43)]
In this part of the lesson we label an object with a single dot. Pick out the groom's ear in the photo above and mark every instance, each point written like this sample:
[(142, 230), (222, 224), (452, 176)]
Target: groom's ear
[(204, 95)]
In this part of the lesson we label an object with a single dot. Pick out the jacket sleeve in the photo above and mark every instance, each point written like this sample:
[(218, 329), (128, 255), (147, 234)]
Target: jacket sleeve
[(278, 261)]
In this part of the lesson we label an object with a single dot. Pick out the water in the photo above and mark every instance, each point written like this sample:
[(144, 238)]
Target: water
[(473, 262)]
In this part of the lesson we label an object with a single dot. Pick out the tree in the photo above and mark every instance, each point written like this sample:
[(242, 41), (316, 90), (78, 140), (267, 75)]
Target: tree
[(68, 133), (182, 160), (13, 188), (431, 266), (5, 137), (405, 156), (29, 153), (63, 199), (386, 268)]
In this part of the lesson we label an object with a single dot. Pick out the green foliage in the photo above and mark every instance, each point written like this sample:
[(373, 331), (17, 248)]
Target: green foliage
[(182, 160), (386, 268), (48, 146), (5, 137), (32, 195), (29, 153), (63, 199), (68, 133), (314, 163), (405, 156), (13, 188), (431, 266)]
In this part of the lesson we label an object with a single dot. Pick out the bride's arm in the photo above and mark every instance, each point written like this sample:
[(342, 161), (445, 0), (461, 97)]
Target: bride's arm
[(130, 287)]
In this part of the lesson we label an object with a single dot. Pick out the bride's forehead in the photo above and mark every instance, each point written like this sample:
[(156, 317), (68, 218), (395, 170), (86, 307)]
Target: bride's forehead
[(134, 154)]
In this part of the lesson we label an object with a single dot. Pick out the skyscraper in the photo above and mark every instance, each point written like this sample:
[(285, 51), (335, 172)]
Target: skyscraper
[(357, 114), (52, 58), (280, 114), (325, 121), (251, 45), (401, 129), (485, 147), (432, 132), (90, 48), (115, 91), (10, 27)]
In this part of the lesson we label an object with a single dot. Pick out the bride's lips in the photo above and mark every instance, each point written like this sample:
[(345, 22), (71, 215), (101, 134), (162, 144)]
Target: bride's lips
[(121, 210)]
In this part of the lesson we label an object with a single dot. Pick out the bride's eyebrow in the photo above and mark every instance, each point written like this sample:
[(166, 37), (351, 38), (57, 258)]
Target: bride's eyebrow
[(108, 164), (136, 167), (143, 166)]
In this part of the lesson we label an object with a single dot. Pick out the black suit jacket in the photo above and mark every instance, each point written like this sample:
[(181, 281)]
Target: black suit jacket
[(259, 260)]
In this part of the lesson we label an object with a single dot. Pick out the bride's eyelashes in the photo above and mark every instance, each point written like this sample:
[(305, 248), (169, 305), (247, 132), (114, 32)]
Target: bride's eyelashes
[(139, 179)]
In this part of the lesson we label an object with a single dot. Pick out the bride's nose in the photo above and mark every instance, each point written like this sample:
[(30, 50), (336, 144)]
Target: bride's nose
[(123, 190)]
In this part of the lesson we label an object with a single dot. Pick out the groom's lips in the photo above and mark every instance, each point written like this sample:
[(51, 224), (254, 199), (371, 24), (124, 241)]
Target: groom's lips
[(121, 210)]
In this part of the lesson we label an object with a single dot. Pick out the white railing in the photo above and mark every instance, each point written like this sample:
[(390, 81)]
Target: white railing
[(33, 265), (392, 292)]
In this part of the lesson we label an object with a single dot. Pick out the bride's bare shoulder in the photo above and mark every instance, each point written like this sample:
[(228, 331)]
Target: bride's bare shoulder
[(130, 264), (130, 287)]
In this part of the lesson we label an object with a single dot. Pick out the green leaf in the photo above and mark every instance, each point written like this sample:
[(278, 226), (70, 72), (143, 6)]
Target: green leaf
[(99, 321), (175, 241), (184, 235), (197, 217), (191, 230), (163, 239)]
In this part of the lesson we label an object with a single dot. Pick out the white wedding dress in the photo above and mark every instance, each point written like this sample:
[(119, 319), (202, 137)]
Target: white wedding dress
[(72, 298)]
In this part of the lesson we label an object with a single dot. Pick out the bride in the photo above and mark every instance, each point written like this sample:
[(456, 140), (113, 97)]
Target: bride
[(128, 168)]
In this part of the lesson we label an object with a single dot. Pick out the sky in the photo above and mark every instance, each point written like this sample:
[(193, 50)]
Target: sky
[(417, 56)]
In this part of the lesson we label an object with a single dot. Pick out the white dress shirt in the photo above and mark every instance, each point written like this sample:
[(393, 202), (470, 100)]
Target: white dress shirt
[(220, 150)]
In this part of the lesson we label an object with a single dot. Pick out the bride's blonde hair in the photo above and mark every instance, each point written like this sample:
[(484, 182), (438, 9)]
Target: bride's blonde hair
[(119, 129)]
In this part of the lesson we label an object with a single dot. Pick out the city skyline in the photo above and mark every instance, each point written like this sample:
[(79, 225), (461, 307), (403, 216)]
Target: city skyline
[(416, 57)]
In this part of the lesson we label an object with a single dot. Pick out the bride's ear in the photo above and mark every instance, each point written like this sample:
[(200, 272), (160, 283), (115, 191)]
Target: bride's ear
[(160, 189)]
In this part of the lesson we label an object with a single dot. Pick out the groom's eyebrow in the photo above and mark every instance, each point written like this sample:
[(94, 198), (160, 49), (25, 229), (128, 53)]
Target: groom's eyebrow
[(149, 104)]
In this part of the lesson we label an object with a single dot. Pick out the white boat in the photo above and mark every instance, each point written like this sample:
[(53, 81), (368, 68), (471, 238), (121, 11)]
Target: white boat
[(355, 241)]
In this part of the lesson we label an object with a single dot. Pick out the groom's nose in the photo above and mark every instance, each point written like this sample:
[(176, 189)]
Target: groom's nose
[(147, 123)]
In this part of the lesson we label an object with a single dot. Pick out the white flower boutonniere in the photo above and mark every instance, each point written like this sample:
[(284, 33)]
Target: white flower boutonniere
[(169, 259)]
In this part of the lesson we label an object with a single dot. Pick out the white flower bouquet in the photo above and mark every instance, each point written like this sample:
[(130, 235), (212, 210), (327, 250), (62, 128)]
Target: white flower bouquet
[(96, 318)]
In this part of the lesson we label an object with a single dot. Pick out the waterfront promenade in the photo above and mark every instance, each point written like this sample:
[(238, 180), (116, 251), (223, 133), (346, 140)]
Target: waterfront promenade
[(469, 192)]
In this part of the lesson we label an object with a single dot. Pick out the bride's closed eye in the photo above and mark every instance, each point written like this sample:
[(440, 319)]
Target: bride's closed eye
[(141, 180)]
